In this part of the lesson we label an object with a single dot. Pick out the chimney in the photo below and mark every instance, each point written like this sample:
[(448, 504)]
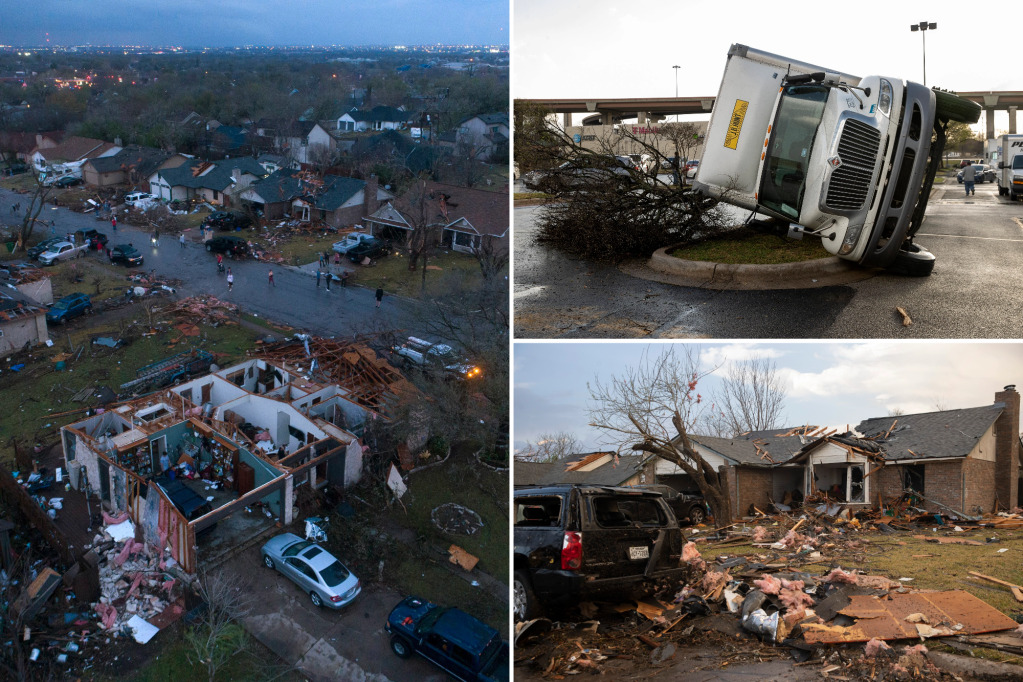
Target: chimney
[(1007, 449), (370, 203)]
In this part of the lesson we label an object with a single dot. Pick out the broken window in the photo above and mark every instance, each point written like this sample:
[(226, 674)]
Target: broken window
[(538, 511), (617, 512), (913, 478)]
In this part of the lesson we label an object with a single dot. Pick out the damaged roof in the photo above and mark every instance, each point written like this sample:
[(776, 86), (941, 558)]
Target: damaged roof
[(327, 193), (561, 470), (950, 433), (743, 448), (15, 305)]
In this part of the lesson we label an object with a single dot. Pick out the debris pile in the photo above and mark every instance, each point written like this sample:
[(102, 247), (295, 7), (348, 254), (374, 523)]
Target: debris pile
[(763, 605), (204, 310)]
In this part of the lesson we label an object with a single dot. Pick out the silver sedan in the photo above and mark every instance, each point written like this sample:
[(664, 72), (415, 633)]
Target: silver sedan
[(314, 569)]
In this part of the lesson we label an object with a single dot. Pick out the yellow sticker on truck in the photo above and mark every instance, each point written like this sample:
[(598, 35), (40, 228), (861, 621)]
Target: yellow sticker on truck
[(735, 123)]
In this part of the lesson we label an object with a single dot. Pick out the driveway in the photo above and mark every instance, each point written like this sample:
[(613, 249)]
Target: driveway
[(349, 644), (974, 292)]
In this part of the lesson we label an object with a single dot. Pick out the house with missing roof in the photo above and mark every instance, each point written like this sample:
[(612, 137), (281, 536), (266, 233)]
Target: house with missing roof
[(242, 442), (216, 182), (69, 154), (462, 218), (307, 196), (22, 319)]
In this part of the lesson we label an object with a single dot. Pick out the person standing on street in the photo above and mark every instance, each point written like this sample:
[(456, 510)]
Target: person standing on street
[(271, 279), (181, 240), (318, 276), (329, 277), (113, 223), (344, 279), (969, 177), (380, 295), (230, 280)]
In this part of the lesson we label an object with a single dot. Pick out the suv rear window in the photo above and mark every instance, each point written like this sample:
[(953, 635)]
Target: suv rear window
[(619, 512), (538, 511)]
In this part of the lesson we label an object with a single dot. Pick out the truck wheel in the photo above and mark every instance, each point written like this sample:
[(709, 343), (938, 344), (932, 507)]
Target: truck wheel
[(400, 647), (525, 604), (954, 108), (697, 515), (913, 261)]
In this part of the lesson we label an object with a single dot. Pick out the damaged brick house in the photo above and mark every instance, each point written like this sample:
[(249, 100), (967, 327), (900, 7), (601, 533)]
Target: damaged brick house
[(592, 468), (245, 438), (966, 460), (307, 196)]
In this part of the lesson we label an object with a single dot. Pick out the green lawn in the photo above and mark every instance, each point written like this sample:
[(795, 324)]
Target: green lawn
[(392, 273)]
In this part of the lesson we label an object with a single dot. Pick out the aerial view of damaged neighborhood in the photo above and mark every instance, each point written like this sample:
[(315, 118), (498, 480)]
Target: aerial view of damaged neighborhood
[(254, 341)]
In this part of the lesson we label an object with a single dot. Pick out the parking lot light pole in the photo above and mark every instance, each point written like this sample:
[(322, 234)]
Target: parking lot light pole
[(923, 26), (676, 67)]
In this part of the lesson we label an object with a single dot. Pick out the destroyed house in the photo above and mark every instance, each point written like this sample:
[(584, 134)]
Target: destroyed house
[(240, 442), (592, 468), (965, 461)]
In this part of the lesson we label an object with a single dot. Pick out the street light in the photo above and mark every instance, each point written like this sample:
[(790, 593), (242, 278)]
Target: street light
[(676, 67), (922, 27)]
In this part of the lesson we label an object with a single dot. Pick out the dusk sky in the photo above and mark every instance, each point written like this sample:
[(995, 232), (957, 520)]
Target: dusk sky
[(827, 383), (225, 23)]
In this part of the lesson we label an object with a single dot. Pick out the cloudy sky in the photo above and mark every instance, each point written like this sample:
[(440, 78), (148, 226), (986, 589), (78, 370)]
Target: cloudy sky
[(827, 383), (605, 48), (221, 23)]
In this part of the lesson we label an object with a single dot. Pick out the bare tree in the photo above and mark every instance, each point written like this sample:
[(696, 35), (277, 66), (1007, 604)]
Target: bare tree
[(651, 408), (36, 202), (469, 156), (218, 635), (896, 412), (751, 397), (550, 447), (684, 138)]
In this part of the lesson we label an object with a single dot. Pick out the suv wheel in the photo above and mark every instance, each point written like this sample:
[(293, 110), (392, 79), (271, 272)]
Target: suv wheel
[(697, 515), (524, 601), (400, 647)]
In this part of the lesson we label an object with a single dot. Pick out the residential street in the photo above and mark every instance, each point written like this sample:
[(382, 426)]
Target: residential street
[(295, 301), (973, 292)]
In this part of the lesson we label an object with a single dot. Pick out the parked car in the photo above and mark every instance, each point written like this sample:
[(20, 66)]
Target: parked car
[(232, 246), (463, 646), (351, 240), (227, 220), (90, 237), (312, 568), (126, 254), (16, 168), (68, 181), (68, 308), (984, 173), (573, 542), (580, 172), (62, 251), (34, 252), (367, 248), (687, 505), (434, 357)]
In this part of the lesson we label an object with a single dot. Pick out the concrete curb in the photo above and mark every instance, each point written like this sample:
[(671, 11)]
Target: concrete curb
[(662, 267)]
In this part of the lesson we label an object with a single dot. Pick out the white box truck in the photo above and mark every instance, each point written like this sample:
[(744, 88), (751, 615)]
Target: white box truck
[(848, 159), (1010, 166)]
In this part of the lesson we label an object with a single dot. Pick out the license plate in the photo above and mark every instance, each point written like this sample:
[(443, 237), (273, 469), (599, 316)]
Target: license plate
[(639, 553)]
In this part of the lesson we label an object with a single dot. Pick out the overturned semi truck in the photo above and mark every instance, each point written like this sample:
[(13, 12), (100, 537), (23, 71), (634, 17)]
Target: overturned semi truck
[(847, 159)]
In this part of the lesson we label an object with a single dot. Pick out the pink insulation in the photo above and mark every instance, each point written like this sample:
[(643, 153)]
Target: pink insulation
[(691, 556), (917, 649), (107, 613), (760, 534), (795, 600), (793, 539), (875, 646), (768, 584), (714, 580), (839, 576)]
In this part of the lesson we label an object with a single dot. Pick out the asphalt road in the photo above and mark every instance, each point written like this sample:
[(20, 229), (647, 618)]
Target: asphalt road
[(295, 301), (975, 290)]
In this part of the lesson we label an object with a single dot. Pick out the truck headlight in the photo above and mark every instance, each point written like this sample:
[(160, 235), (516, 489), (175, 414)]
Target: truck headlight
[(884, 98), (852, 235)]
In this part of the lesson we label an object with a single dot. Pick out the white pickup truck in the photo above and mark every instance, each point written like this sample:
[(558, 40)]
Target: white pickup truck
[(350, 240), (849, 160), (62, 251), (435, 356)]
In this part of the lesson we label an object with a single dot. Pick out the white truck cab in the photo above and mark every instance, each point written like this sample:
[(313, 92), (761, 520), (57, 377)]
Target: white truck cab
[(1010, 166), (848, 159)]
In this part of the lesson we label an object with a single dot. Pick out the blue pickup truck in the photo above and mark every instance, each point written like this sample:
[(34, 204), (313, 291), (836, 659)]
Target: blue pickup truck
[(466, 648)]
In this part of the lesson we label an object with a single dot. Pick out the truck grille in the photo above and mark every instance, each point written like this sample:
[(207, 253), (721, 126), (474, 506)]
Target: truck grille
[(850, 183)]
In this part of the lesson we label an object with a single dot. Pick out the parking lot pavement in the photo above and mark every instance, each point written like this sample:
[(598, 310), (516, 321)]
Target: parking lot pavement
[(349, 644), (974, 292)]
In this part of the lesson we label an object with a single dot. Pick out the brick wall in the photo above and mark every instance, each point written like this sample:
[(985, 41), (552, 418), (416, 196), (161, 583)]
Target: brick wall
[(978, 480), (752, 486), (1007, 449), (887, 481), (943, 482)]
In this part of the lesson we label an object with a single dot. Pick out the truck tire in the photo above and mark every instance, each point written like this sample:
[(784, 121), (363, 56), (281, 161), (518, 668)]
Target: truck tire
[(913, 261), (954, 108), (400, 647), (524, 603)]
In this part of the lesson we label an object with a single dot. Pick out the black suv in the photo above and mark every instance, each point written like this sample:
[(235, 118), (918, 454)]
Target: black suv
[(227, 220), (90, 237), (687, 504), (232, 246), (576, 541)]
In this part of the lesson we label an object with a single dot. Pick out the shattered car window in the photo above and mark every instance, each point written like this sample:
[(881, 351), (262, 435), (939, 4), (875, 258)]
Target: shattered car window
[(616, 512), (538, 511)]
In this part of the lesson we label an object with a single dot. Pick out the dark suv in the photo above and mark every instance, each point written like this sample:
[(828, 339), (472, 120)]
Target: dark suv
[(90, 237), (227, 220), (452, 639), (68, 308), (687, 504), (576, 541), (232, 246)]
